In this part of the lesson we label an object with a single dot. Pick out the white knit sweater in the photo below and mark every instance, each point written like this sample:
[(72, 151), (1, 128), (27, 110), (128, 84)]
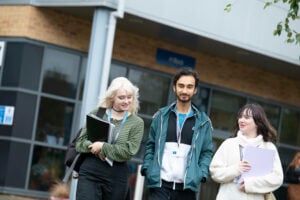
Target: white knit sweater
[(224, 169)]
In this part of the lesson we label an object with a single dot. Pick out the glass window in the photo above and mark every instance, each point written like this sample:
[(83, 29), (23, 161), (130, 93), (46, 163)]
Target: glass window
[(224, 108), (22, 65), (201, 99), (23, 116), (54, 122), (153, 90), (47, 168), (286, 156), (290, 127), (14, 163), (61, 71), (216, 143), (272, 112), (117, 70), (141, 152), (82, 77)]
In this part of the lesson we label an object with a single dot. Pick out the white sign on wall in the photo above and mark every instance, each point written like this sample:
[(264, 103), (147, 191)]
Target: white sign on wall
[(2, 46), (7, 115)]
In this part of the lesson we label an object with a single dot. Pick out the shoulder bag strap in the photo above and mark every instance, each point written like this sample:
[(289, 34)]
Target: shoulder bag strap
[(100, 112)]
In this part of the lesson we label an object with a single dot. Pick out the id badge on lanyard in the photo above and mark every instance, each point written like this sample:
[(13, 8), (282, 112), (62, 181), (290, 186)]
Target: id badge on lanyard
[(112, 139)]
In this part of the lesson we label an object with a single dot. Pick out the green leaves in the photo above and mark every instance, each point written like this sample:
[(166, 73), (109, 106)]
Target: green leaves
[(267, 4), (292, 35), (297, 38), (228, 7), (278, 29)]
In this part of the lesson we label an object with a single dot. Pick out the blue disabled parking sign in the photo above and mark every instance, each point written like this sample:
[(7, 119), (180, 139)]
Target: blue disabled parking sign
[(6, 115)]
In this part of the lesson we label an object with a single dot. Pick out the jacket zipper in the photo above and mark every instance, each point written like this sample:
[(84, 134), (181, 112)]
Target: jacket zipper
[(158, 157), (193, 146)]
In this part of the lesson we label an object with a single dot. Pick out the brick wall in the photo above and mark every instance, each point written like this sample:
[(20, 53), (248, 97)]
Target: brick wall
[(220, 72), (63, 29), (46, 25)]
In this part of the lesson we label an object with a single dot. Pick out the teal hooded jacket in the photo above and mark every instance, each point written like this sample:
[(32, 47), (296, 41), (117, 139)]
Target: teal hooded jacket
[(199, 156)]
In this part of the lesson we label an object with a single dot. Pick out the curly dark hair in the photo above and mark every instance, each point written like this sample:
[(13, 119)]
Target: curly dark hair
[(264, 127)]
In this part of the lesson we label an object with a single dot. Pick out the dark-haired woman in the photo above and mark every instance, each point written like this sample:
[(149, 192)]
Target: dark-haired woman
[(252, 129)]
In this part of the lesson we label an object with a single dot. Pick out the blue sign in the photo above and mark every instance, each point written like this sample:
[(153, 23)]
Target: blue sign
[(2, 111), (6, 115), (172, 59)]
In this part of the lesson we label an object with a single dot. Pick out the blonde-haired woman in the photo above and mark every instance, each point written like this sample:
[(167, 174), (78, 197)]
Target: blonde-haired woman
[(97, 178)]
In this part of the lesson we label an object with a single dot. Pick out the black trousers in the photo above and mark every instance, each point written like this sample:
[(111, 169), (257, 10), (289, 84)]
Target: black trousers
[(165, 192), (99, 181)]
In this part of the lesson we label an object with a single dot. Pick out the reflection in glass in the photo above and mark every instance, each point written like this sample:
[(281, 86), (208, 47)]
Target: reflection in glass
[(153, 89), (224, 108), (47, 167), (60, 73), (290, 127), (54, 122)]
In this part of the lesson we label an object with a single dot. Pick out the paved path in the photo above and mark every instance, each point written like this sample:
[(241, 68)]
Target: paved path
[(13, 197)]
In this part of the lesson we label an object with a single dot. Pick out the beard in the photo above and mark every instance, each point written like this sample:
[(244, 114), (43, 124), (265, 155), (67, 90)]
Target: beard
[(184, 98)]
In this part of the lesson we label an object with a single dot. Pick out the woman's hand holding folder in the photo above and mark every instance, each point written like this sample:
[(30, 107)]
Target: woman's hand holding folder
[(96, 147)]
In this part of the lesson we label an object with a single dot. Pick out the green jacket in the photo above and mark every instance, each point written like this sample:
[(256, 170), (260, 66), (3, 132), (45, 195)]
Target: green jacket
[(127, 144), (199, 156)]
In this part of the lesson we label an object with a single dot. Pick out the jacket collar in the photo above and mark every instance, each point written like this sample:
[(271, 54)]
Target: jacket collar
[(167, 109)]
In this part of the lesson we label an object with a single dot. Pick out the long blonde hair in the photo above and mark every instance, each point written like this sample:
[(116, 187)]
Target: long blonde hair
[(117, 84)]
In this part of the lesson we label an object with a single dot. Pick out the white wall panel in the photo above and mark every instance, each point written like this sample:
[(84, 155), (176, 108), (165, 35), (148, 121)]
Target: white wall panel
[(248, 25)]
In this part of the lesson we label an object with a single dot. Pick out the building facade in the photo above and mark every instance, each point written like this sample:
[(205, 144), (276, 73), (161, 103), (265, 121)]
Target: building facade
[(46, 65)]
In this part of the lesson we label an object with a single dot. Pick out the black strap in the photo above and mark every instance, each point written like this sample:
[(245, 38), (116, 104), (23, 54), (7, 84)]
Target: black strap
[(101, 111)]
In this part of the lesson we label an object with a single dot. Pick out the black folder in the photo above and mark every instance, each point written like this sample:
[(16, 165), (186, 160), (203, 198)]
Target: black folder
[(97, 128)]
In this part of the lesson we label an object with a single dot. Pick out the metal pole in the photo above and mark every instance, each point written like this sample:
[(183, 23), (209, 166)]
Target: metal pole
[(119, 13), (98, 65), (94, 72), (139, 184)]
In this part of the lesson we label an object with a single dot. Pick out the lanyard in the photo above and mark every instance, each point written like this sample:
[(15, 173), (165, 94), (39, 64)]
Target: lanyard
[(111, 139), (178, 127)]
